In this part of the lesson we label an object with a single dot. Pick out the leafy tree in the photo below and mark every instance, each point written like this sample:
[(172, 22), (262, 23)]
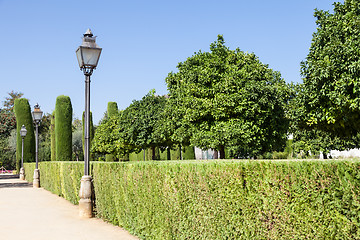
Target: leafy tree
[(108, 138), (63, 128), (228, 99), (45, 138), (7, 122), (330, 99), (8, 150), (9, 102), (140, 120)]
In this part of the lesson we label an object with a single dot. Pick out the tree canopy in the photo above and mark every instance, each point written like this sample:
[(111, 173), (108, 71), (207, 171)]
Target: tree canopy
[(330, 98), (228, 98)]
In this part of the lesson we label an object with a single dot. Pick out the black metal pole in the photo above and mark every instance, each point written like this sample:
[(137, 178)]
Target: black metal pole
[(22, 152), (87, 125), (36, 144)]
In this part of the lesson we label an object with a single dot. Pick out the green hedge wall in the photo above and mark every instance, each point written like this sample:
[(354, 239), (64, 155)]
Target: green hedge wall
[(63, 128), (23, 117), (60, 178), (228, 199)]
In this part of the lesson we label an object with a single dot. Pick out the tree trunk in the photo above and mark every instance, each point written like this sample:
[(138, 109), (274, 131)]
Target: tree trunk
[(168, 153), (153, 155), (222, 152)]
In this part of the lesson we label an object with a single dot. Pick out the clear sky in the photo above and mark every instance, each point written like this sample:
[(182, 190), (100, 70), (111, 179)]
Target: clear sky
[(142, 42)]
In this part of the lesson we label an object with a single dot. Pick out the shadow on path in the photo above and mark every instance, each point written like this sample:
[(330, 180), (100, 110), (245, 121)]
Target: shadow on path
[(7, 184)]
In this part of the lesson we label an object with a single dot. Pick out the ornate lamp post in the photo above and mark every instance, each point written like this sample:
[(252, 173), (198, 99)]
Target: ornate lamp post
[(37, 116), (88, 55), (23, 132)]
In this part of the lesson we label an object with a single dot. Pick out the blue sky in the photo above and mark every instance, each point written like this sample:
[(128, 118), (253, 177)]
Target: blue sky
[(142, 42)]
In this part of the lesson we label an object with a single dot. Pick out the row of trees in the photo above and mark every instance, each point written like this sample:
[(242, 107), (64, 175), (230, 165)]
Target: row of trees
[(229, 101), (56, 140), (219, 100)]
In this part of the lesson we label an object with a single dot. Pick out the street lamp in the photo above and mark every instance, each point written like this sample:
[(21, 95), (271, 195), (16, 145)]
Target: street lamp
[(23, 132), (88, 55), (37, 116)]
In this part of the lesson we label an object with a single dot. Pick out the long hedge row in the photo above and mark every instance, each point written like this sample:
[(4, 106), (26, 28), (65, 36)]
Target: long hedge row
[(222, 199)]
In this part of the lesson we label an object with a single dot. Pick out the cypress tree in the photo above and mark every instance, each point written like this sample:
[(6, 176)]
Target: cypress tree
[(63, 128), (112, 110), (91, 132), (52, 137), (23, 117)]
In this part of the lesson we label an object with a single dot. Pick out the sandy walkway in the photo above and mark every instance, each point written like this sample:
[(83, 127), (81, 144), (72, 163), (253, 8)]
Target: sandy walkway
[(28, 213)]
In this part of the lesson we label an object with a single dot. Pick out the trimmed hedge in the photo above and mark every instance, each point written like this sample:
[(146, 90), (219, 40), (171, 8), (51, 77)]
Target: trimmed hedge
[(63, 128), (23, 117), (228, 199), (60, 178)]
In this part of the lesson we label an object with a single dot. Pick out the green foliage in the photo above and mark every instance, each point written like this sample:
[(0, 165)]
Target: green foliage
[(330, 97), (63, 128), (77, 145), (45, 138), (7, 152), (227, 99), (10, 100), (7, 122), (219, 199), (52, 137), (60, 178), (107, 139), (188, 153), (23, 117), (140, 123), (91, 133), (230, 200), (112, 109), (131, 130)]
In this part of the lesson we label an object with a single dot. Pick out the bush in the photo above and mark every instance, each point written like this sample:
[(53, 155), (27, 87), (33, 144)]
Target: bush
[(220, 199), (63, 128)]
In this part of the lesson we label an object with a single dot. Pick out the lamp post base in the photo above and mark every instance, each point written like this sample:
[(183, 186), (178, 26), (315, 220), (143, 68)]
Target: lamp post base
[(36, 179), (22, 174), (85, 194)]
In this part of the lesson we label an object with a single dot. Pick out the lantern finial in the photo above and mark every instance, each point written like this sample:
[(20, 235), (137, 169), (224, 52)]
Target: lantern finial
[(88, 33)]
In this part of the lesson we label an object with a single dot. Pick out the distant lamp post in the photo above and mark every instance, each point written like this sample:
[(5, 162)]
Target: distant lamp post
[(37, 116), (88, 55), (23, 132)]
